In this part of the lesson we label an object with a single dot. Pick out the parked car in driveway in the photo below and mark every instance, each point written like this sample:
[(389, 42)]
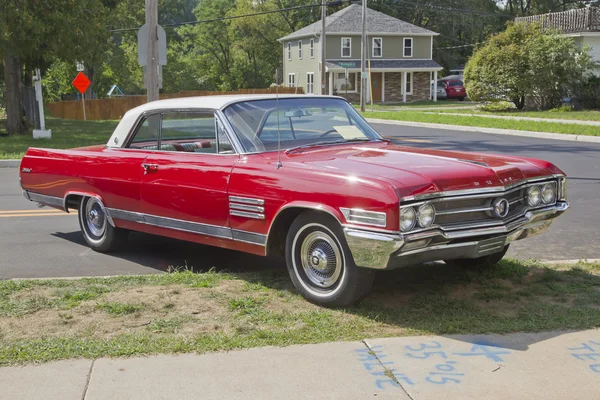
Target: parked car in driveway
[(455, 89), (301, 176), (441, 91)]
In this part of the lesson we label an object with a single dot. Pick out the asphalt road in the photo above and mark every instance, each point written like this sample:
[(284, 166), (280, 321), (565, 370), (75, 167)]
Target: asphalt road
[(44, 243)]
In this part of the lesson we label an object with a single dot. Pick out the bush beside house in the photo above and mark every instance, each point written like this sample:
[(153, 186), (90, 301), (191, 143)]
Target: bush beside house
[(530, 66)]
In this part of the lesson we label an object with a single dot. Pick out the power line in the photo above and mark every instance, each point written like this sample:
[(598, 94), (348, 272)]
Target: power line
[(333, 3), (457, 47)]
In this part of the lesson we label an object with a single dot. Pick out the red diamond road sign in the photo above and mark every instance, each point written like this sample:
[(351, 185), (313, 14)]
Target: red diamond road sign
[(81, 82)]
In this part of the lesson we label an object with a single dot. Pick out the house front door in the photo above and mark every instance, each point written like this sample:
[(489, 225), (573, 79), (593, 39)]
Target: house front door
[(377, 84)]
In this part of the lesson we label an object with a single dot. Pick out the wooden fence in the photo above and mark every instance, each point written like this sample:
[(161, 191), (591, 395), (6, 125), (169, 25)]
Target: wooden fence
[(577, 20), (114, 108)]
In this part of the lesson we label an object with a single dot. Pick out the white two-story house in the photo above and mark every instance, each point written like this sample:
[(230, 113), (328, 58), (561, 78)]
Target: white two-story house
[(399, 57)]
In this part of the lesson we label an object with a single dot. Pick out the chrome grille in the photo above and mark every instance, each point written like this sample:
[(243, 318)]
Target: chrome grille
[(474, 210)]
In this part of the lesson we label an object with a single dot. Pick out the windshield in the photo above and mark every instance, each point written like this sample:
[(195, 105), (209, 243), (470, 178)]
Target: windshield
[(301, 122)]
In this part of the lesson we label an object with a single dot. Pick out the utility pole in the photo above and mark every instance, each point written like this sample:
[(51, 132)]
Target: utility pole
[(152, 50), (323, 53), (363, 58)]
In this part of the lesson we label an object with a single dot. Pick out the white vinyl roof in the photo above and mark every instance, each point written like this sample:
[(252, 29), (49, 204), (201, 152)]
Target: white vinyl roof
[(206, 102)]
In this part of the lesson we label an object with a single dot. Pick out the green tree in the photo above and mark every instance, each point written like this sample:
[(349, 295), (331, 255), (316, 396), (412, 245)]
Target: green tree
[(34, 32), (526, 63)]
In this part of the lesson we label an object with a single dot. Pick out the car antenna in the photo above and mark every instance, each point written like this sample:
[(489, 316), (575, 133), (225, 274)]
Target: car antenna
[(278, 165)]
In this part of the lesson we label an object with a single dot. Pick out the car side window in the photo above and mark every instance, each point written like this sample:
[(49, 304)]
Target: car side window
[(147, 134), (193, 132)]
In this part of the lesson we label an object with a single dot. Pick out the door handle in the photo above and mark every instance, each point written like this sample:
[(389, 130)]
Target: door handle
[(150, 168)]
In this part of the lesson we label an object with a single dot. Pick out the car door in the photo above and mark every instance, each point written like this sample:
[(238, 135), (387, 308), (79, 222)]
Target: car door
[(118, 175), (184, 186)]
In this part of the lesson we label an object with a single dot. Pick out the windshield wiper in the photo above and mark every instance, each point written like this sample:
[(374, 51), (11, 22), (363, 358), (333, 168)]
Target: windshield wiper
[(326, 142)]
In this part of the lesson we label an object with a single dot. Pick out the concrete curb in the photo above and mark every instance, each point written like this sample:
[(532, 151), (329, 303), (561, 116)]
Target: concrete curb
[(537, 135), (10, 163), (533, 119)]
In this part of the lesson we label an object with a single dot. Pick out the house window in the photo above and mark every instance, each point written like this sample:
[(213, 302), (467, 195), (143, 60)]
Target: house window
[(292, 80), (312, 48), (377, 47), (310, 82), (346, 47), (289, 50), (409, 83), (300, 49), (341, 84), (408, 47)]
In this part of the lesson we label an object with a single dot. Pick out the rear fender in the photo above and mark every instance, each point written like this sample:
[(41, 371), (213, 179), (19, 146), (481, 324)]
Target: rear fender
[(71, 194)]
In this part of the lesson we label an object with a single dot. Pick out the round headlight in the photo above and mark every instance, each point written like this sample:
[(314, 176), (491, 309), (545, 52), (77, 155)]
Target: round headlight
[(426, 215), (534, 196), (408, 219), (549, 193)]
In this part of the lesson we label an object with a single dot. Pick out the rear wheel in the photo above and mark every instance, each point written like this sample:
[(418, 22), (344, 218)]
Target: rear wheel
[(320, 263), (480, 262), (97, 232)]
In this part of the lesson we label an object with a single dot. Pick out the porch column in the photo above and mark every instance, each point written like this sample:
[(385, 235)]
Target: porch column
[(404, 87), (330, 84), (434, 86)]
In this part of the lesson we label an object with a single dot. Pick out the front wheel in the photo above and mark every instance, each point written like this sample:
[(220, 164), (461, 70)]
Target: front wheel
[(97, 232), (320, 263)]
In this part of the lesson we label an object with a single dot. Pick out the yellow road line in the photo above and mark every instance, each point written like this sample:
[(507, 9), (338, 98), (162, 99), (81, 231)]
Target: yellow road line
[(36, 215), (49, 210)]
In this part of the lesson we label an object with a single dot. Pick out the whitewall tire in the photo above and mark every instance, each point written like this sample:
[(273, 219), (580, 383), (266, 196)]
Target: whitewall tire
[(96, 229), (320, 263)]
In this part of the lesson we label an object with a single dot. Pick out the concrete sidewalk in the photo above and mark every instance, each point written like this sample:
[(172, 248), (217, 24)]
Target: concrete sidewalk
[(554, 365)]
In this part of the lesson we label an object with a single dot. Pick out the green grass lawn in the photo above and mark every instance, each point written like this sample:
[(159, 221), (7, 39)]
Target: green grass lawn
[(65, 134), (572, 115), (183, 311), (441, 118)]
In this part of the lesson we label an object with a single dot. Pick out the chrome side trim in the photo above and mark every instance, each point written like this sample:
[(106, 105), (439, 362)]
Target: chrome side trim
[(360, 216), (246, 200), (246, 214), (245, 207), (470, 193), (48, 200), (171, 223), (26, 195), (249, 237)]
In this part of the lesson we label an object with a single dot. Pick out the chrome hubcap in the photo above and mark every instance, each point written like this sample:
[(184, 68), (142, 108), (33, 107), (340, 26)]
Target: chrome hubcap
[(321, 259), (95, 218)]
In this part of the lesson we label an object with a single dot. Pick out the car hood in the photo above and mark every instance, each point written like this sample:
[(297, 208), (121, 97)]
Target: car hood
[(418, 171)]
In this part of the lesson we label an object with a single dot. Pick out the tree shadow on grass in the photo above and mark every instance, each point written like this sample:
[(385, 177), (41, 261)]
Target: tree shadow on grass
[(439, 299)]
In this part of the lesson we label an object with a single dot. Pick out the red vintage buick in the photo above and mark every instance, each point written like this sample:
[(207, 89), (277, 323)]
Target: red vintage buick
[(300, 176)]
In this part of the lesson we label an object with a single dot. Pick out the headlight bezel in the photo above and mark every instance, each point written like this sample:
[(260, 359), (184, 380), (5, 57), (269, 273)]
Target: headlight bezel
[(405, 210)]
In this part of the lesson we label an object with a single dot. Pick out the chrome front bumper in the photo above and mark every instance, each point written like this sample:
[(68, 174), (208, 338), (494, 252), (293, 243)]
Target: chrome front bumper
[(388, 251)]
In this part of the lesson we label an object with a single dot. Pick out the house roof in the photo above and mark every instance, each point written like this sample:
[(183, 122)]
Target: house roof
[(387, 64), (349, 20)]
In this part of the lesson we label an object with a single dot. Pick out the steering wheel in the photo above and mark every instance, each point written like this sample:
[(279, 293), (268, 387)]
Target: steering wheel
[(328, 132)]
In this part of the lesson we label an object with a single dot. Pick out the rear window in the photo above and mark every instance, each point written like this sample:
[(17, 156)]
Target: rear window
[(455, 83)]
